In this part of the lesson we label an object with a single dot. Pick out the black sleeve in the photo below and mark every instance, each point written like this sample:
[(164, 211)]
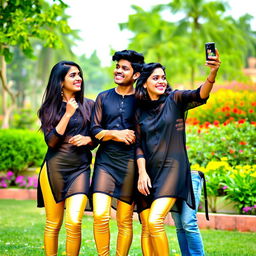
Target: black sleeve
[(188, 99), (139, 151), (52, 138), (96, 117), (91, 104)]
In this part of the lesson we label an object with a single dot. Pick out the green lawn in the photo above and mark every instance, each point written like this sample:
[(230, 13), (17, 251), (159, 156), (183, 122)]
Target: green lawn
[(22, 225)]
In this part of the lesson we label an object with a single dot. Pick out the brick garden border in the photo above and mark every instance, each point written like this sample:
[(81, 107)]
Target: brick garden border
[(243, 223)]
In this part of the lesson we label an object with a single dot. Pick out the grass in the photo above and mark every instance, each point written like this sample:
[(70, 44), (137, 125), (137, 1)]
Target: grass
[(22, 226)]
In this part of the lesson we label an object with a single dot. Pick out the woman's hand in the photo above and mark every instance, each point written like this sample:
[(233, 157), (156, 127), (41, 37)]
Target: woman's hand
[(127, 136), (144, 183), (71, 107), (80, 140), (214, 63)]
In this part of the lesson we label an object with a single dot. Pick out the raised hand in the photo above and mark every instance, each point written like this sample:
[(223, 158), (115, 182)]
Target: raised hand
[(71, 107), (214, 63)]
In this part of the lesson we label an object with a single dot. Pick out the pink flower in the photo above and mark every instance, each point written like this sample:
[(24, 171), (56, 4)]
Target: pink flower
[(9, 175), (247, 209), (19, 179), (3, 184)]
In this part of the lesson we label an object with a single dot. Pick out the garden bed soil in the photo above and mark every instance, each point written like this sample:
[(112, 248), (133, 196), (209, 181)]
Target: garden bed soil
[(243, 223)]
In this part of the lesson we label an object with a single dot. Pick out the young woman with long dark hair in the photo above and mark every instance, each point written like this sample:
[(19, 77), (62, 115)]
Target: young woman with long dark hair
[(65, 175), (163, 166)]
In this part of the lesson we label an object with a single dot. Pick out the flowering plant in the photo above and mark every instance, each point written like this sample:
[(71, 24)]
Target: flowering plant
[(235, 141), (249, 210), (26, 182), (19, 181), (237, 183), (241, 188), (6, 180), (225, 106)]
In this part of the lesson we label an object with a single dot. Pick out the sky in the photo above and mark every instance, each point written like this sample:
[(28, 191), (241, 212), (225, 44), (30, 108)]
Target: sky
[(98, 21)]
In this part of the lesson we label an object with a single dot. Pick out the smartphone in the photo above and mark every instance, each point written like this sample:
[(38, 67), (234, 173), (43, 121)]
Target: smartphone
[(210, 50)]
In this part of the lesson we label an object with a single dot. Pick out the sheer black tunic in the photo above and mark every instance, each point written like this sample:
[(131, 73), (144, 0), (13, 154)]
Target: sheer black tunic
[(68, 166), (163, 146), (114, 169)]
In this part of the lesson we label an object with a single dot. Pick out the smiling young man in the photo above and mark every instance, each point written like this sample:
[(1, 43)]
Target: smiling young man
[(113, 183)]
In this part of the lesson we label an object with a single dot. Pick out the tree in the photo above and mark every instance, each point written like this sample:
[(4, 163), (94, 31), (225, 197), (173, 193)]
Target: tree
[(95, 77), (22, 22), (202, 21)]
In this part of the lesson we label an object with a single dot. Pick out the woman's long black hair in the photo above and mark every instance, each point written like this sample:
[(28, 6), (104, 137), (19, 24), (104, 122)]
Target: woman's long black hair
[(140, 92), (50, 111)]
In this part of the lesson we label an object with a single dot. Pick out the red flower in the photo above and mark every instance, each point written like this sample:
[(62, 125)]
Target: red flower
[(212, 153), (253, 103), (206, 124), (199, 131), (235, 110), (216, 122), (232, 151), (251, 110), (241, 121), (243, 143)]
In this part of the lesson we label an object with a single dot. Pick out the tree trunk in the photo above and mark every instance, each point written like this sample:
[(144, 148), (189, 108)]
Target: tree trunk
[(7, 110)]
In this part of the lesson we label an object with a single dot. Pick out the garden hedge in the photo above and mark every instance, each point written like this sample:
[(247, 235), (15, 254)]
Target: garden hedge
[(20, 149)]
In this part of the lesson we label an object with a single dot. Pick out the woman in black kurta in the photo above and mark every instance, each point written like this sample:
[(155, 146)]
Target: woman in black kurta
[(164, 172), (65, 176)]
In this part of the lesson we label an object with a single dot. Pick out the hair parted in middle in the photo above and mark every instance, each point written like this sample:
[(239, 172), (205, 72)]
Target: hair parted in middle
[(136, 59), (49, 112), (141, 92)]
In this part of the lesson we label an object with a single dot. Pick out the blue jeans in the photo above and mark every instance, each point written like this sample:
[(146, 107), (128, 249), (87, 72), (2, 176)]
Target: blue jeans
[(189, 237)]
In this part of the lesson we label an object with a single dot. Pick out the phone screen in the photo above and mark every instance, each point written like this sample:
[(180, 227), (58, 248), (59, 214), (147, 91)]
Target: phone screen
[(210, 50)]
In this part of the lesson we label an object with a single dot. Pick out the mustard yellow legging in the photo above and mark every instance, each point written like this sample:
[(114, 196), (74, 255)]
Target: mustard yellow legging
[(154, 241), (101, 212), (75, 206)]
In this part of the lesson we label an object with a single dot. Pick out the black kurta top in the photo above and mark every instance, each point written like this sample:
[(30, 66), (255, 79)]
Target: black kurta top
[(68, 166), (163, 146), (114, 169)]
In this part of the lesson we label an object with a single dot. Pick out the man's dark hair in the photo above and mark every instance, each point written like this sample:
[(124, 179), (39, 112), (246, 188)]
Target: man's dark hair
[(136, 59)]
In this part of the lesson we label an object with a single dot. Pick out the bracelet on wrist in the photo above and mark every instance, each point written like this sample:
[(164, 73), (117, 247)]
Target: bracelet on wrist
[(211, 82)]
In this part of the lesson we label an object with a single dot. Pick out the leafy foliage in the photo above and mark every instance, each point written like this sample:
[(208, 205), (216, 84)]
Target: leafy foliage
[(20, 149), (235, 141), (22, 21), (241, 187), (180, 45), (24, 118)]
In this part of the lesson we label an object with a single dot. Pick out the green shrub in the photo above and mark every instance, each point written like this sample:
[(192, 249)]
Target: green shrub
[(237, 183), (240, 187), (24, 119), (235, 141), (20, 149)]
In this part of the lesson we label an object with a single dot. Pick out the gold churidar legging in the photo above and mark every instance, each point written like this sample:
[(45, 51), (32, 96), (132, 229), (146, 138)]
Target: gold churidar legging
[(154, 241), (75, 206), (101, 212)]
